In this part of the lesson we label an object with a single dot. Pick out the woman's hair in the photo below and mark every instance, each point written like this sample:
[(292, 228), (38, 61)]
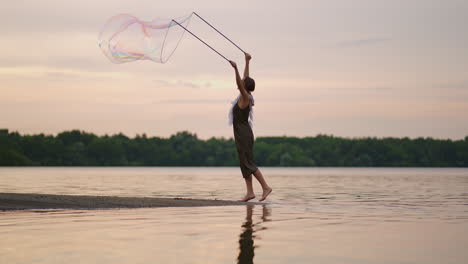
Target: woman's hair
[(249, 84)]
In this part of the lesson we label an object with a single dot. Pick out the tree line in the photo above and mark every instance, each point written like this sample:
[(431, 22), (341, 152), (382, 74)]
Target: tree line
[(79, 148)]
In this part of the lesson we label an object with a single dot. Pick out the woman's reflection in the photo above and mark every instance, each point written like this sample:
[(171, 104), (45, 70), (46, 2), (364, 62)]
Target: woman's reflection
[(246, 238)]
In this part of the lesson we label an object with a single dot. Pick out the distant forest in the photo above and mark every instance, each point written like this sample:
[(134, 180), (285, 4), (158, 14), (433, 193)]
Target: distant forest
[(79, 148)]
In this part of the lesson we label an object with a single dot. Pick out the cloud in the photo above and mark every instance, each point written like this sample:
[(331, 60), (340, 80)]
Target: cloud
[(361, 42), (456, 85), (192, 101), (180, 83)]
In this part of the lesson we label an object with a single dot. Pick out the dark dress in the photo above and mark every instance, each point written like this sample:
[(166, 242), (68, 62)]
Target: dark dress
[(244, 138)]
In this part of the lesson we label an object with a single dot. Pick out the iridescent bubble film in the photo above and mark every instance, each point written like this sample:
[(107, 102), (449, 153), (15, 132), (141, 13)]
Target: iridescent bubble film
[(125, 38)]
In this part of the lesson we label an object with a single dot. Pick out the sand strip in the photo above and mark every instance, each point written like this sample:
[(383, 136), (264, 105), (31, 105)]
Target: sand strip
[(21, 201)]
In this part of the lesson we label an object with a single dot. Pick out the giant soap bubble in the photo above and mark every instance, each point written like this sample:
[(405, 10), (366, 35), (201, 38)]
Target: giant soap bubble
[(125, 38)]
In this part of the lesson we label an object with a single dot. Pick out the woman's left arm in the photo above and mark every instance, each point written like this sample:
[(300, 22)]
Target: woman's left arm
[(245, 98), (247, 62)]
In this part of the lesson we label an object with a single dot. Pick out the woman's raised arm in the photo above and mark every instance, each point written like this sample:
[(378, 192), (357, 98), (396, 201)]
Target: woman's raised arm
[(247, 61), (245, 98)]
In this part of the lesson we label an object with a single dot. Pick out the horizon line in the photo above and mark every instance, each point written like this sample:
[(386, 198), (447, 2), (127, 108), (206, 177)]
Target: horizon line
[(8, 131)]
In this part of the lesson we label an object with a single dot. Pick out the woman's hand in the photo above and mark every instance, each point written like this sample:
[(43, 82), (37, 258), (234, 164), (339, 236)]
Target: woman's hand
[(247, 57), (233, 64)]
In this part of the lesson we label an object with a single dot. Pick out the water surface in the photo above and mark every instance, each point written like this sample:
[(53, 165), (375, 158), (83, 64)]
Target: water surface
[(315, 215)]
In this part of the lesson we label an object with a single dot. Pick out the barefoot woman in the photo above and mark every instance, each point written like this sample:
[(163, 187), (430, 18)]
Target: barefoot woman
[(243, 134)]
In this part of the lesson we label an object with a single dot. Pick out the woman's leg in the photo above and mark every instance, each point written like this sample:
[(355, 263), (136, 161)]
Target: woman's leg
[(266, 189), (250, 193)]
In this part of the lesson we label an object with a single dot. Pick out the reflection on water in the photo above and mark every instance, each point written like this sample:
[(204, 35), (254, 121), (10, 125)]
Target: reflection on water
[(221, 234), (246, 238)]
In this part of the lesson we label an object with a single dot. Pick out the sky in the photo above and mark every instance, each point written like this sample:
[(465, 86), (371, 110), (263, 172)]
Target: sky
[(364, 68)]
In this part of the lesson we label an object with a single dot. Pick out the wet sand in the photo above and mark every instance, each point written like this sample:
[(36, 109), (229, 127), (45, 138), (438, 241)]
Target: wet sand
[(22, 201)]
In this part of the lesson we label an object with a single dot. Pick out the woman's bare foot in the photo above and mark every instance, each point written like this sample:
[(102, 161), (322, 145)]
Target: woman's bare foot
[(247, 198), (266, 192)]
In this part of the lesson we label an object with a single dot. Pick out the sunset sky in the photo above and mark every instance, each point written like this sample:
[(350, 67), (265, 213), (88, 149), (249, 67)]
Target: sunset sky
[(347, 68)]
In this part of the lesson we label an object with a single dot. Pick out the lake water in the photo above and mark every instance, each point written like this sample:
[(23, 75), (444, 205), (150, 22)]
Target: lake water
[(314, 215)]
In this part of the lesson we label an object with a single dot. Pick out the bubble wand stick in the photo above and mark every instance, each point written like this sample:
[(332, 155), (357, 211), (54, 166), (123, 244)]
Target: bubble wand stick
[(200, 39), (218, 31)]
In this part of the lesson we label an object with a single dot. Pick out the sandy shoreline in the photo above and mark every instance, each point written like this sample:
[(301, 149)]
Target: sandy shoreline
[(22, 201)]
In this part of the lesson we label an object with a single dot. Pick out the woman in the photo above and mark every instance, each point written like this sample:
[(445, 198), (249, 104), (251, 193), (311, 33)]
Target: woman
[(243, 134)]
